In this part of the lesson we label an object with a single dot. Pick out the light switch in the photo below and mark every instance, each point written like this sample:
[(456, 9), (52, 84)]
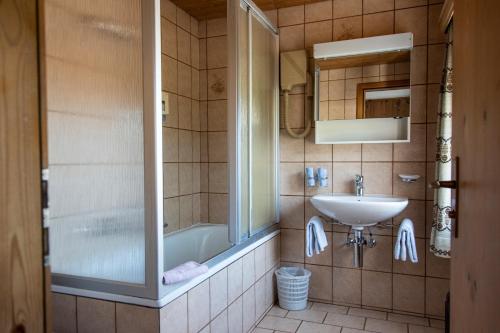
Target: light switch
[(164, 106)]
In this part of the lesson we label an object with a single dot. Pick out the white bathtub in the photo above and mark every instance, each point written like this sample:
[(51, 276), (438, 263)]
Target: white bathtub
[(199, 243)]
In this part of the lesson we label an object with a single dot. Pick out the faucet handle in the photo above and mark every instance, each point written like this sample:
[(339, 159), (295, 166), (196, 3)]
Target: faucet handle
[(358, 179)]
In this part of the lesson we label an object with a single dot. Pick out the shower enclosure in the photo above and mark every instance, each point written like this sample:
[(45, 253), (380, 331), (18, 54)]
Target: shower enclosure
[(104, 102)]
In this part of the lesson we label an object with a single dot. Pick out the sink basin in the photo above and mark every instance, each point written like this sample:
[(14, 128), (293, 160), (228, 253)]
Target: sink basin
[(359, 212)]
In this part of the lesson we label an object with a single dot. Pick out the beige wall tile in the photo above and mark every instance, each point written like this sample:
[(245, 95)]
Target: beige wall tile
[(290, 15), (432, 102), (168, 10), (95, 315), (169, 74), (435, 62), (413, 20), (318, 11), (235, 280), (217, 146), (235, 316), (435, 35), (419, 65), (195, 26), (367, 313), (248, 266), (379, 258), (174, 316), (196, 147), (170, 180), (409, 3), (249, 309), (198, 306), (183, 46), (217, 208), (218, 293), (291, 149), (273, 248), (170, 145), (136, 319), (418, 107), (344, 8), (185, 114), (216, 80), (336, 90), (217, 177), (374, 6), (260, 297), (183, 19), (346, 285), (336, 110), (414, 190), (185, 211), (195, 85), (171, 214), (216, 27), (431, 143), (377, 289), (415, 150), (292, 212), (314, 152), (292, 178), (347, 28), (292, 38), (378, 24), (377, 152), (203, 57), (435, 294), (168, 38), (318, 32), (217, 115), (195, 52), (184, 79), (173, 112), (204, 177), (341, 254), (408, 293), (217, 52), (342, 176), (64, 313), (377, 177), (292, 245), (260, 261), (351, 86), (185, 146), (436, 266), (347, 153), (185, 178)]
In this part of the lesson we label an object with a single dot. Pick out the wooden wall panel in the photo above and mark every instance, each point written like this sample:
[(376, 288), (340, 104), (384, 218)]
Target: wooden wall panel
[(21, 267), (475, 268)]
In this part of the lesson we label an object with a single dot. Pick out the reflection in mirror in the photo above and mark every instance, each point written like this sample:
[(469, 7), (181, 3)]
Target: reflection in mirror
[(365, 86)]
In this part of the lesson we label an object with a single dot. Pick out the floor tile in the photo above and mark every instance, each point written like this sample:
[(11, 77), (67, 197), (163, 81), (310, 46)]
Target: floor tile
[(367, 313), (307, 315), (278, 323), (261, 330), (384, 326), (307, 327), (401, 318), (423, 329), (352, 330), (277, 311), (338, 319), (329, 308)]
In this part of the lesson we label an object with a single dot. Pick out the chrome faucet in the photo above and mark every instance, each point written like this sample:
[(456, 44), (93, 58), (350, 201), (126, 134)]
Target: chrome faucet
[(358, 185)]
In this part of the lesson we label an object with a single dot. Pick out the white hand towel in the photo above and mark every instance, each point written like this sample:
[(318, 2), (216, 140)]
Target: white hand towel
[(315, 237), (405, 243)]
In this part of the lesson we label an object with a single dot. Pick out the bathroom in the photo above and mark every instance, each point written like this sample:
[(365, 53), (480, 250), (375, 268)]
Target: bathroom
[(192, 152)]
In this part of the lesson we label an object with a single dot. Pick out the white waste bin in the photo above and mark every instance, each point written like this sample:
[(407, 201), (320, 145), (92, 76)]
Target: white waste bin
[(293, 287)]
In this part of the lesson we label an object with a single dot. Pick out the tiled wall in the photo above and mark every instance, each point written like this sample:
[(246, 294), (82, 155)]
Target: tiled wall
[(382, 282), (338, 87), (194, 133), (232, 300)]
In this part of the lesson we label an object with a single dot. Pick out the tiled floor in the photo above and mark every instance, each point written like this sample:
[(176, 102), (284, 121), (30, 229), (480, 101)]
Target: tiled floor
[(329, 318)]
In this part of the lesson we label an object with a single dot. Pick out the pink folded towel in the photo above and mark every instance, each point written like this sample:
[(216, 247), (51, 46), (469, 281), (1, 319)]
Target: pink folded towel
[(183, 272)]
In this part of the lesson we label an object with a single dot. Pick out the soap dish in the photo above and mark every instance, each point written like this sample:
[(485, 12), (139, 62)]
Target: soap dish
[(409, 178)]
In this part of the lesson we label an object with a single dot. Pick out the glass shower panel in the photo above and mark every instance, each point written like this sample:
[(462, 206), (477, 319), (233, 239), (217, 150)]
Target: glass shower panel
[(95, 139), (263, 121)]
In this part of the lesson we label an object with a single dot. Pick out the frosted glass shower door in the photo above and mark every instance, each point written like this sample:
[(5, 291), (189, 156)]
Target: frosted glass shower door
[(264, 125), (101, 111)]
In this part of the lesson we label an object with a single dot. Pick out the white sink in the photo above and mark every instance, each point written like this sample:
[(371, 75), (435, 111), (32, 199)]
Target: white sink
[(359, 212)]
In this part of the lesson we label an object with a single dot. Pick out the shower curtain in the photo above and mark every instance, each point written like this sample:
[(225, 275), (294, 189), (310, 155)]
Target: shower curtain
[(441, 223)]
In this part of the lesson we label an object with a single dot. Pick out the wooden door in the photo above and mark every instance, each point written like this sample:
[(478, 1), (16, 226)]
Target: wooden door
[(475, 265), (21, 254)]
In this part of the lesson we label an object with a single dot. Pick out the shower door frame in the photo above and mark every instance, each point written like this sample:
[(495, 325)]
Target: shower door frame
[(234, 117), (153, 180)]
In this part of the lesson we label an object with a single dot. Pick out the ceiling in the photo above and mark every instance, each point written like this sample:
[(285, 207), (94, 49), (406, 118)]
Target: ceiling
[(208, 9)]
